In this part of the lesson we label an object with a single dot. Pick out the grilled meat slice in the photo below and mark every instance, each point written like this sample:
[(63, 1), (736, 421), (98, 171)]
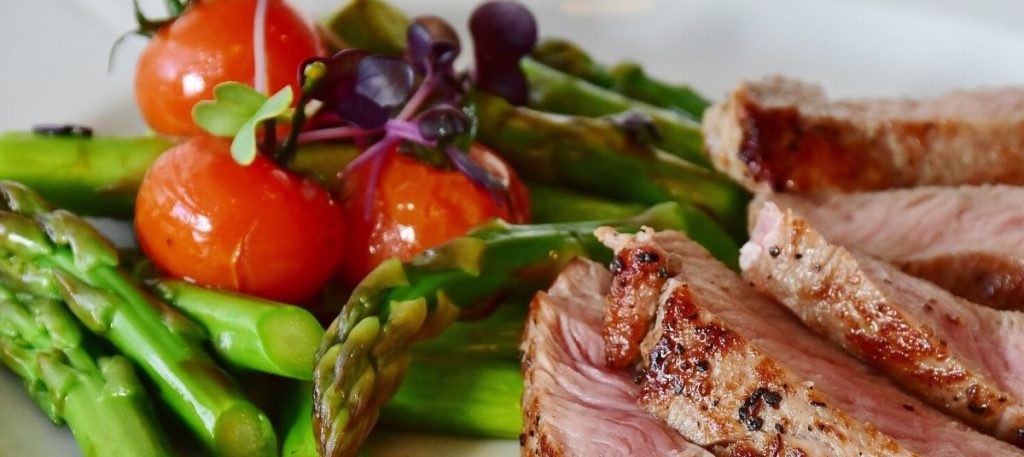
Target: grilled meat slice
[(968, 239), (963, 358), (638, 277), (734, 370), (573, 405), (786, 135)]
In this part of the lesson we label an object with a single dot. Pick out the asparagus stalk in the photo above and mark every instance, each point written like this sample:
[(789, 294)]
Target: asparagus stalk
[(81, 267), (100, 398), (592, 156), (100, 176), (632, 81), (628, 79), (95, 176), (477, 398), (373, 25), (249, 332), (474, 397), (551, 204), (297, 420), (552, 90), (366, 350), (495, 337), (566, 57)]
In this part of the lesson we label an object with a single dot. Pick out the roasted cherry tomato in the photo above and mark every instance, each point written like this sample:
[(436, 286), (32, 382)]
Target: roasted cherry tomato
[(210, 43), (417, 206), (257, 229)]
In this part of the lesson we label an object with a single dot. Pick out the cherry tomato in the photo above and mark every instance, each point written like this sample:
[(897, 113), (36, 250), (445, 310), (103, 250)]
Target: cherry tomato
[(210, 43), (417, 206), (257, 229)]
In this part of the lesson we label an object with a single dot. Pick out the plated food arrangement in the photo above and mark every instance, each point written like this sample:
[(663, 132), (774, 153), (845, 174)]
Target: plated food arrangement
[(341, 230)]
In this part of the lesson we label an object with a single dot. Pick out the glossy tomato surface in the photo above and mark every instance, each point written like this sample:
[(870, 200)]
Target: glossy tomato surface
[(257, 229), (212, 42), (416, 206)]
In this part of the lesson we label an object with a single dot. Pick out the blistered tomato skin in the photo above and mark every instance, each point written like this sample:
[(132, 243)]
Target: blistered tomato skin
[(212, 42), (417, 206), (256, 229)]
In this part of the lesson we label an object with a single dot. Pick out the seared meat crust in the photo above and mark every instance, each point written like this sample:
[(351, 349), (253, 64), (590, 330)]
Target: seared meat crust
[(786, 135)]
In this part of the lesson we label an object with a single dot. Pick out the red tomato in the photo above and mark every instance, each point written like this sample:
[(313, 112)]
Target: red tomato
[(257, 229), (418, 206), (212, 43)]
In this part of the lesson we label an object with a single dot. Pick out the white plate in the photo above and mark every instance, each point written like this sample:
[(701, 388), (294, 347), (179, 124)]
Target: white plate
[(54, 59)]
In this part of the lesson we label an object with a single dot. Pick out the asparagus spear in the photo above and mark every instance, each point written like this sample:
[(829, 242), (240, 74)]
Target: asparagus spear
[(373, 25), (100, 176), (250, 332), (552, 90), (628, 79), (100, 398), (297, 420), (590, 155), (95, 176), (366, 349), (81, 267), (495, 337), (551, 204), (566, 57), (474, 397)]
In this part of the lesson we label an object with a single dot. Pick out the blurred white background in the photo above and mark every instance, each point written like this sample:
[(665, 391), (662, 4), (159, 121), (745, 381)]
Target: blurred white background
[(55, 51)]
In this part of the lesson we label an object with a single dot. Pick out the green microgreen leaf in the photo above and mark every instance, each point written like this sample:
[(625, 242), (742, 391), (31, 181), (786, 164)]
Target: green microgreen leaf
[(232, 106), (243, 147), (236, 111)]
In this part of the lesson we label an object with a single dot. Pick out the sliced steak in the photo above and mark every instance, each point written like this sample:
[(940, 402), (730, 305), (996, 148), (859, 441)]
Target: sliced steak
[(638, 275), (572, 404), (733, 370), (787, 135), (968, 239), (961, 357)]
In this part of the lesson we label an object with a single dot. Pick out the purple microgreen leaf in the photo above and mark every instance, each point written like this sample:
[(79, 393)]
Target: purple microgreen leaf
[(407, 130), (362, 111), (479, 175), (360, 88), (507, 82), (503, 32), (331, 134), (243, 147), (259, 47), (432, 44), (371, 189), (385, 80), (364, 157), (443, 123), (503, 26), (338, 78), (638, 127)]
